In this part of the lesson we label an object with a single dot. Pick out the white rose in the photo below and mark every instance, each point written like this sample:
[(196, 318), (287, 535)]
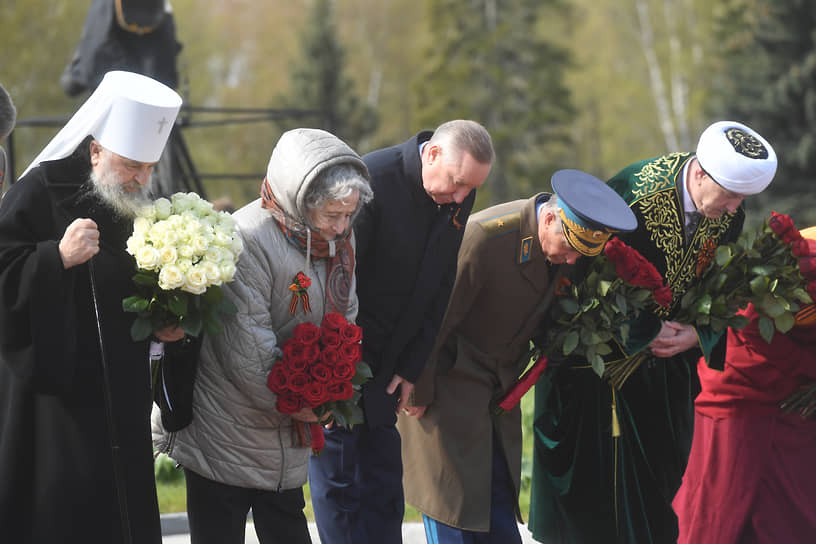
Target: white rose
[(182, 202), (169, 238), (214, 254), (223, 239), (227, 270), (184, 264), (148, 212), (212, 271), (171, 277), (186, 251), (195, 281), (226, 222), (163, 208), (203, 207), (175, 222), (236, 246), (168, 255), (142, 225), (134, 243), (147, 258), (199, 244)]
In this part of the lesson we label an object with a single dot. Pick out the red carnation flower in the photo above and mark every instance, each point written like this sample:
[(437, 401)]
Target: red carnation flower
[(306, 333), (330, 356), (332, 339), (277, 381), (340, 390), (791, 236), (803, 247), (344, 371), (351, 353), (288, 403), (631, 266), (351, 333), (315, 394), (780, 223), (298, 381), (807, 266), (321, 372), (663, 296), (303, 280), (333, 321)]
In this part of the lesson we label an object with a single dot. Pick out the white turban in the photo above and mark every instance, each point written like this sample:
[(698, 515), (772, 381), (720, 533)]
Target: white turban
[(736, 157), (129, 114)]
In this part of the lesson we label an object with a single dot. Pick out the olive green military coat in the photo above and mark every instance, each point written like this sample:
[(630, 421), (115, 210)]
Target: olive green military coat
[(504, 285)]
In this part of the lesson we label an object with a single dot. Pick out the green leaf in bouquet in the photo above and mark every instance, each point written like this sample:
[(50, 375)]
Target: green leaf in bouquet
[(719, 281), (766, 328), (356, 415), (141, 328), (362, 369), (569, 305), (703, 305), (763, 270), (719, 305), (603, 287), (212, 325), (802, 296), (689, 298), (771, 306), (641, 295), (192, 324), (785, 322), (754, 254), (135, 304), (177, 304), (718, 324), (146, 279), (603, 349), (213, 295), (624, 333), (621, 304), (226, 306), (703, 320), (597, 364), (738, 321), (722, 255), (570, 342)]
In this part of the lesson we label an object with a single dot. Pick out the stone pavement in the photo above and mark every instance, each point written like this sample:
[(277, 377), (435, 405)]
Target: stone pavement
[(174, 529)]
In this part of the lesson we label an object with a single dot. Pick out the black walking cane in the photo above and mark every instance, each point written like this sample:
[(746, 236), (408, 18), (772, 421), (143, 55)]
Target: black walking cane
[(118, 478)]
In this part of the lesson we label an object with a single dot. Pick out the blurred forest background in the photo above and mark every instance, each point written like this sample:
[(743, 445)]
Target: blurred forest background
[(588, 84)]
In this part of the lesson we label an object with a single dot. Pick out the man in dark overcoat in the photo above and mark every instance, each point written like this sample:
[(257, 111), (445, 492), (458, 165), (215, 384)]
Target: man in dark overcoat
[(76, 466), (462, 461), (407, 240)]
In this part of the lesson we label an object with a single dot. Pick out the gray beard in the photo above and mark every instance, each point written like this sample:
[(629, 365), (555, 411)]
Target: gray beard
[(109, 189)]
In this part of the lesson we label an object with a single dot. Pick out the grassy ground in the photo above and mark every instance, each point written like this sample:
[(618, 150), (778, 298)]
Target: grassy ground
[(172, 495)]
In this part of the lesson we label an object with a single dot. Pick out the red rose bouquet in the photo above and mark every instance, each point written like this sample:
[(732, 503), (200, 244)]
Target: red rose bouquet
[(590, 317), (321, 368)]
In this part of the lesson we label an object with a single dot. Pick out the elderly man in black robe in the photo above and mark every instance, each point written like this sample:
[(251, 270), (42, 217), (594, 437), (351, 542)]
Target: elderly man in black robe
[(75, 452)]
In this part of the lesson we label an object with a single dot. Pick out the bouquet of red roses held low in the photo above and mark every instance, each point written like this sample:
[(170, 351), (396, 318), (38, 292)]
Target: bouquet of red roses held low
[(321, 368), (591, 319)]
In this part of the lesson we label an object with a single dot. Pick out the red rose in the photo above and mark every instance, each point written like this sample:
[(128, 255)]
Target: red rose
[(306, 333), (311, 352), (277, 381), (341, 391), (332, 339), (803, 247), (791, 236), (663, 296), (351, 333), (298, 381), (807, 266), (321, 372), (333, 321), (811, 289), (351, 353), (315, 394), (292, 350), (330, 356), (344, 371), (288, 403), (780, 223), (298, 364)]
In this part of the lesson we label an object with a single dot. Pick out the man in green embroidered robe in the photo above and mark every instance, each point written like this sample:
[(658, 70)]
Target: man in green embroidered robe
[(595, 481)]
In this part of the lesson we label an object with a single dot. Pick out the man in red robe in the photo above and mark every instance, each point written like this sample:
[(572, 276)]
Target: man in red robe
[(750, 477)]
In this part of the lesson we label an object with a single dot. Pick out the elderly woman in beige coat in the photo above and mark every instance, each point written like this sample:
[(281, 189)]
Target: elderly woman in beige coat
[(239, 452)]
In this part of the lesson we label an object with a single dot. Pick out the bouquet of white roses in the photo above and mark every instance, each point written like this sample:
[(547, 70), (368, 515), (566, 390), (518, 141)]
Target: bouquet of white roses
[(184, 251)]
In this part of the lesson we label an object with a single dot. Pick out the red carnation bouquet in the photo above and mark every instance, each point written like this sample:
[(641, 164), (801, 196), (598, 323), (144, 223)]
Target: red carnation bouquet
[(589, 318), (321, 369)]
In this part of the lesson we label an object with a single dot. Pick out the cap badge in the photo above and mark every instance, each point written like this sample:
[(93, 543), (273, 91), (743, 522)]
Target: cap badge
[(745, 144)]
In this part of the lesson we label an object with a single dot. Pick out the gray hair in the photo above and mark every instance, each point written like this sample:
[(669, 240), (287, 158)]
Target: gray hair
[(551, 205), (336, 183), (8, 114), (466, 136)]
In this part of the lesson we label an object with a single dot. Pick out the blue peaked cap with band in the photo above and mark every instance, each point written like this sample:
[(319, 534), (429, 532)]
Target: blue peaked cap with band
[(591, 211)]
